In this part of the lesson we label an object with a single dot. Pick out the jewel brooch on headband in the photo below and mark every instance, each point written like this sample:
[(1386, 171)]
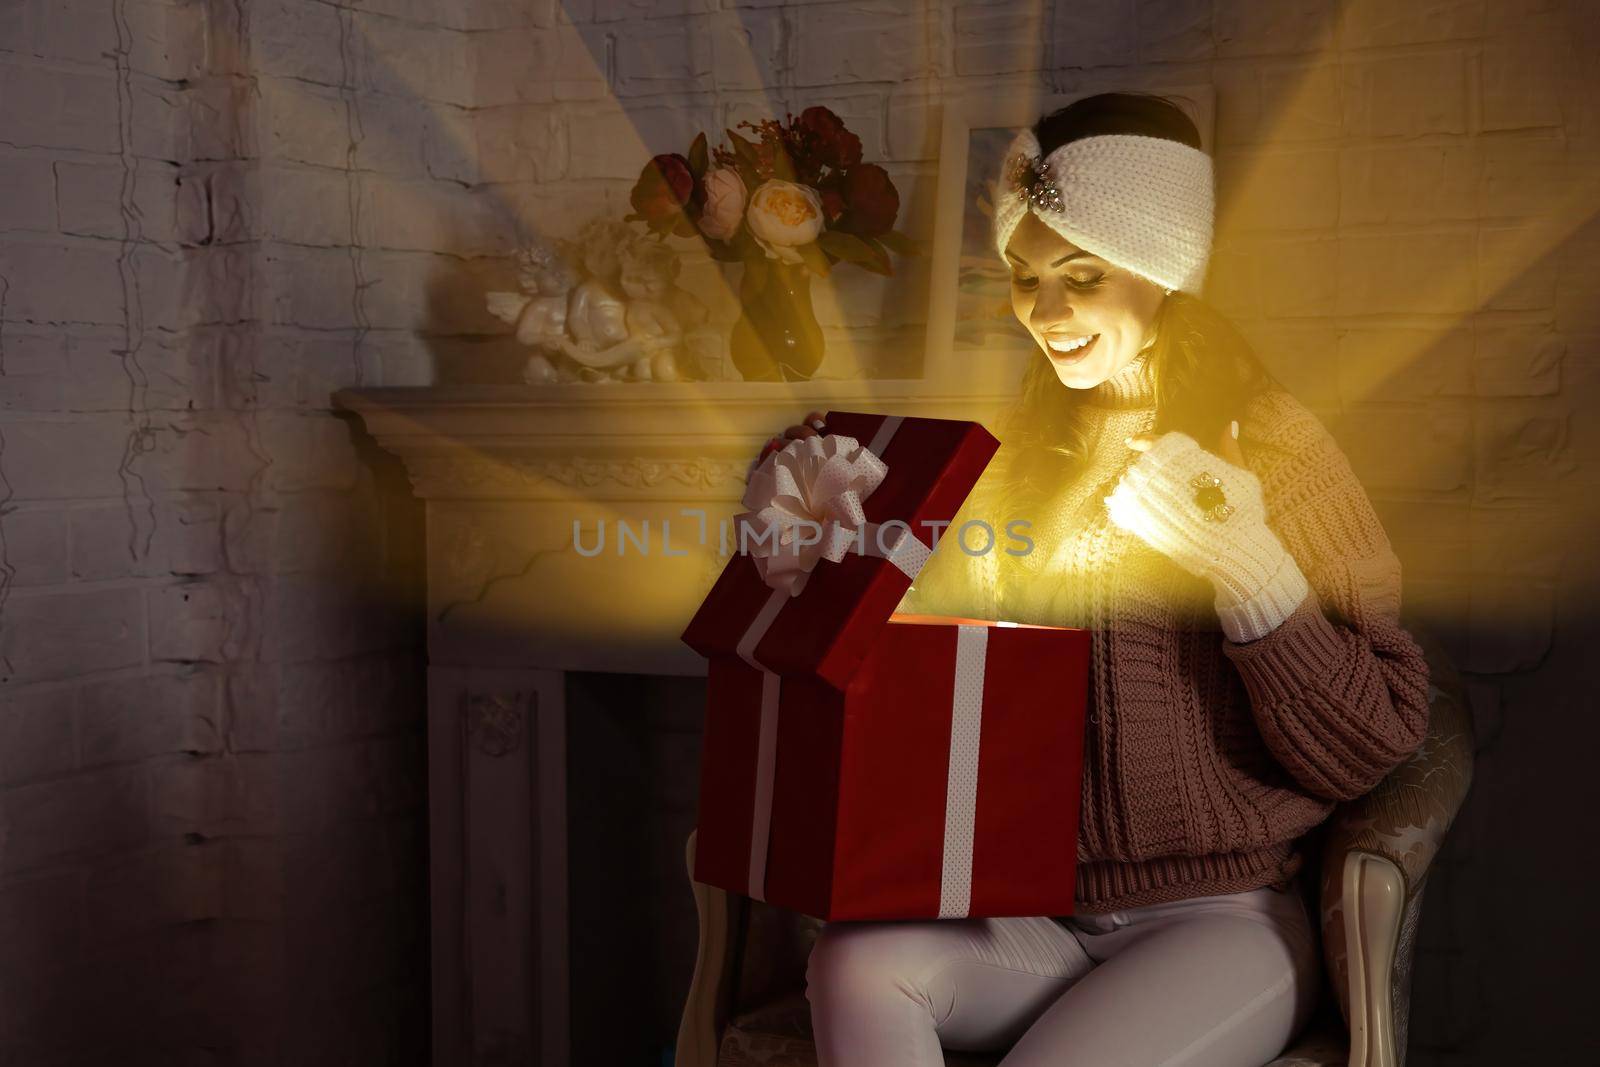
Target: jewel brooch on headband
[(1035, 180)]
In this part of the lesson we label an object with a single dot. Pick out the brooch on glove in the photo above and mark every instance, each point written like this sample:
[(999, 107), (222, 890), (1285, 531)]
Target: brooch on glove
[(1208, 495)]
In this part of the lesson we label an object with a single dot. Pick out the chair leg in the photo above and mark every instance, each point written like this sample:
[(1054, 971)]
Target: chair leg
[(697, 1030), (1374, 903)]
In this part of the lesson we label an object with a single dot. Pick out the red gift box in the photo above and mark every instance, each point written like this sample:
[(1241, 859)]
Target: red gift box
[(858, 764)]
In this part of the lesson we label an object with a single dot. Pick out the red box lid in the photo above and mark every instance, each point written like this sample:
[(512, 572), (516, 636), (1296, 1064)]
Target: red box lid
[(827, 629)]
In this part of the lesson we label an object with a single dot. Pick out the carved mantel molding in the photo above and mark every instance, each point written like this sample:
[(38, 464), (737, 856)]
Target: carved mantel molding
[(651, 440)]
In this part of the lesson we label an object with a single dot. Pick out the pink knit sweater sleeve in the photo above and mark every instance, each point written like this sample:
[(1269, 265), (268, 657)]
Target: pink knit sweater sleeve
[(1339, 689)]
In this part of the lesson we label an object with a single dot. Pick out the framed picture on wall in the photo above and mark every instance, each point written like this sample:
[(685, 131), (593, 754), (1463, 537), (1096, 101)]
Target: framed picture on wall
[(974, 340)]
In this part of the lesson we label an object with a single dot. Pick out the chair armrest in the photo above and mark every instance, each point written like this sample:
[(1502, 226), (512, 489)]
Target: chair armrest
[(1376, 855), (705, 1008)]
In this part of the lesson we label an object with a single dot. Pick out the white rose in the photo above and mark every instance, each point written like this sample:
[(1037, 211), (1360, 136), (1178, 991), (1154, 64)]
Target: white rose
[(725, 198), (782, 215)]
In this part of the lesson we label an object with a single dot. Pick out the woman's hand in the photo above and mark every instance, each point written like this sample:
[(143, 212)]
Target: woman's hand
[(1206, 513), (811, 426)]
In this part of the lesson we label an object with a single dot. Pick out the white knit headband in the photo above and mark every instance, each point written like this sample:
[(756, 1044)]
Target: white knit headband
[(1142, 203)]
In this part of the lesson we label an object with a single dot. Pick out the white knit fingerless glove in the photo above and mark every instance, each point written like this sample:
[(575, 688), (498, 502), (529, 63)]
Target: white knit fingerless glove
[(1257, 582)]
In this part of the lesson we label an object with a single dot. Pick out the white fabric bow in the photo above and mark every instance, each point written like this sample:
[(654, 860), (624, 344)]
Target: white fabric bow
[(804, 505)]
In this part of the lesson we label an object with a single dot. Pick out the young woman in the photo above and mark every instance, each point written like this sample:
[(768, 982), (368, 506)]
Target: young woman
[(1248, 665)]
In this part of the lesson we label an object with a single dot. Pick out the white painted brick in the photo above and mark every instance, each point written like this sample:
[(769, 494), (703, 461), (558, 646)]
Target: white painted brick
[(61, 280), (616, 144), (1247, 28), (35, 546), (1409, 183), (915, 122), (861, 41), (287, 370), (664, 55), (27, 193), (1518, 86), (1517, 268), (89, 199), (1294, 190), (542, 65), (308, 452), (38, 734), (45, 107), (149, 893), (1372, 23), (1092, 35), (1420, 272), (1406, 96), (1522, 451), (1273, 103), (665, 10), (303, 122), (303, 205), (1174, 31), (65, 635), (409, 290), (305, 618), (1437, 456), (189, 622), (389, 134), (309, 286), (449, 145), (1305, 357), (199, 453), (1518, 361), (78, 30), (84, 814), (747, 49), (414, 62), (186, 539), (65, 459), (1523, 173), (306, 40), (531, 143), (1400, 364), (157, 715), (999, 39), (1298, 277)]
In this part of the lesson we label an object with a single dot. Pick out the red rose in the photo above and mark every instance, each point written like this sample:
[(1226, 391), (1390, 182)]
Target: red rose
[(830, 143), (665, 189), (871, 201)]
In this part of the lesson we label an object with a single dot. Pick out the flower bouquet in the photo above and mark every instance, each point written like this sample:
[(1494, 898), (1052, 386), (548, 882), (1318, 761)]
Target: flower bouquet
[(788, 204)]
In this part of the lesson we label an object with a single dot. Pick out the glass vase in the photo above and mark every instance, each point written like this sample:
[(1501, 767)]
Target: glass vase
[(777, 337)]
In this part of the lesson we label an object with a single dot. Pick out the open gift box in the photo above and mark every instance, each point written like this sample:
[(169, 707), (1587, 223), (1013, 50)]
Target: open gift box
[(859, 764)]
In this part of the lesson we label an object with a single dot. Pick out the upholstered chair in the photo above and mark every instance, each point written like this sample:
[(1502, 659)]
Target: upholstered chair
[(747, 1006)]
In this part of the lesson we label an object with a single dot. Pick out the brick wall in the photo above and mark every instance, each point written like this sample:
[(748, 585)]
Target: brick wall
[(212, 214)]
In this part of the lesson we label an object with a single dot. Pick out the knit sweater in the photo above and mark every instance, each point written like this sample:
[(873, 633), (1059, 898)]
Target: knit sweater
[(1205, 759)]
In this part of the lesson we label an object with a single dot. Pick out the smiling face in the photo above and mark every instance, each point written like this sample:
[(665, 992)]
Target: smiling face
[(1089, 317)]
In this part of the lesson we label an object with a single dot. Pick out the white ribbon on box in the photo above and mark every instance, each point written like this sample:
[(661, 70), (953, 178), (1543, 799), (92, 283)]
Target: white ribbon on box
[(821, 482)]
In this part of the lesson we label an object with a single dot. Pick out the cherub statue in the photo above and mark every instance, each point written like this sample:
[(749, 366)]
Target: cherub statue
[(623, 318), (547, 276)]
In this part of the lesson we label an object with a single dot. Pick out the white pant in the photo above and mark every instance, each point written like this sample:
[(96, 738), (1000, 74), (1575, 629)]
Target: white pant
[(1221, 980)]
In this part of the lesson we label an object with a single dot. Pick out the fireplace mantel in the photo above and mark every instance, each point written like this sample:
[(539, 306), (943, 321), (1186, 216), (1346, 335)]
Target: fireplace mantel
[(507, 471), (504, 473)]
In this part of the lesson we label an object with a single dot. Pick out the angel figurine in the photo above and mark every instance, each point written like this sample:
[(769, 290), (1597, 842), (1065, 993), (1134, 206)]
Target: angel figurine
[(539, 312)]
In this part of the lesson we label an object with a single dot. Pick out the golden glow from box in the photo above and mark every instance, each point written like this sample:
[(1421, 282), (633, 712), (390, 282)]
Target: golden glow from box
[(1369, 346)]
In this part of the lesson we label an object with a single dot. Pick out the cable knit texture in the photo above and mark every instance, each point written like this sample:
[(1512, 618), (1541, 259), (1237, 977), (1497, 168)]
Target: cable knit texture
[(1146, 204), (1258, 583), (1205, 758)]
